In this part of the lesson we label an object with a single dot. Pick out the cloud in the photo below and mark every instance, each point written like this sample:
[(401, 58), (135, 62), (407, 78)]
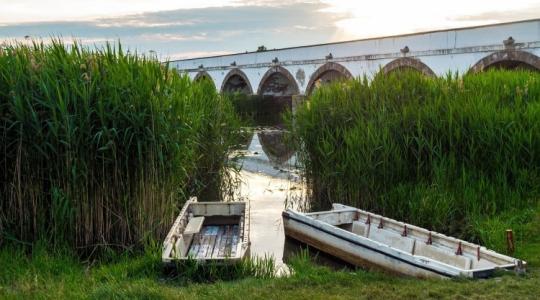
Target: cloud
[(194, 32), (191, 54), (141, 24), (174, 37), (302, 27), (530, 12), (273, 3)]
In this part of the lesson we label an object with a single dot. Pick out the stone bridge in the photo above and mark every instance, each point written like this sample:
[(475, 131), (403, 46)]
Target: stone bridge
[(295, 71)]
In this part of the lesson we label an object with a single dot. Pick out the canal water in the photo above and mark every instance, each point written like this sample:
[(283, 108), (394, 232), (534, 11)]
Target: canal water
[(270, 182)]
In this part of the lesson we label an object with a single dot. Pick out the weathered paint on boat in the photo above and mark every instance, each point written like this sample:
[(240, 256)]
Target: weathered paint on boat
[(365, 239), (209, 231)]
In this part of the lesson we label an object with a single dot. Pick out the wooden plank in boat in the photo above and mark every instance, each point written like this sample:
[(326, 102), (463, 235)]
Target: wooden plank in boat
[(234, 240), (194, 225), (204, 247), (215, 241), (223, 242), (195, 246), (227, 250), (215, 252), (438, 254), (209, 233), (228, 240), (392, 239), (228, 246), (211, 244)]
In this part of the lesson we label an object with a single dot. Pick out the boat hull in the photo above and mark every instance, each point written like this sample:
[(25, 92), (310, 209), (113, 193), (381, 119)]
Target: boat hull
[(360, 252)]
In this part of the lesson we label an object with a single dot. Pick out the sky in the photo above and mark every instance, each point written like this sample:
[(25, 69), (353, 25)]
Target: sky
[(176, 29)]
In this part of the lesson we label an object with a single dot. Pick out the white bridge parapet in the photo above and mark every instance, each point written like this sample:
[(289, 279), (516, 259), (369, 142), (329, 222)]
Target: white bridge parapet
[(296, 70)]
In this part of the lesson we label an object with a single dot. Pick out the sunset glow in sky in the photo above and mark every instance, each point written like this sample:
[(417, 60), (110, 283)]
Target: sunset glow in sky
[(179, 29)]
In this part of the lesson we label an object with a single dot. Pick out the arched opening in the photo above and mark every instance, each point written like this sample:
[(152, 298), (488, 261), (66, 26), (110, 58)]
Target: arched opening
[(203, 75), (275, 93), (236, 81), (407, 64), (278, 82), (327, 73), (508, 60), (511, 65)]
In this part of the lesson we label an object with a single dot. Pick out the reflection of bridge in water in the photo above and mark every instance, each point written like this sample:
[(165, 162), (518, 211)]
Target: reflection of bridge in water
[(268, 152), (269, 178), (297, 71)]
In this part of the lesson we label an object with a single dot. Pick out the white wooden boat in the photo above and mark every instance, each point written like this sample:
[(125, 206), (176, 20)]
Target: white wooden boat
[(209, 231), (365, 239)]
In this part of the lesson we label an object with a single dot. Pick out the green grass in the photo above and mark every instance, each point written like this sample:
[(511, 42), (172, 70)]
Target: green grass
[(46, 276), (459, 154), (100, 148)]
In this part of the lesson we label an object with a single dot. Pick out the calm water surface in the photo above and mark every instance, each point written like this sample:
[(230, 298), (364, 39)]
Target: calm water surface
[(269, 181)]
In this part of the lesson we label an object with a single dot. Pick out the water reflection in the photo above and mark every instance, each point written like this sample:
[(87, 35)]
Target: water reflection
[(269, 179), (271, 183), (269, 155), (274, 146)]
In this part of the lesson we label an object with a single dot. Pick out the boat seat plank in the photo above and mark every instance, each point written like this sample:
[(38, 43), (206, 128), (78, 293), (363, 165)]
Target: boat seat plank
[(182, 245), (360, 228), (446, 257), (392, 239), (194, 225), (335, 217), (482, 263)]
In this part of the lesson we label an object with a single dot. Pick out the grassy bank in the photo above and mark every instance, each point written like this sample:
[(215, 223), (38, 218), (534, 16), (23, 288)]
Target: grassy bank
[(100, 148), (460, 155), (140, 277)]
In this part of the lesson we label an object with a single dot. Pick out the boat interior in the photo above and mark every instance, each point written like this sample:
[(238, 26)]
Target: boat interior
[(209, 230), (411, 239)]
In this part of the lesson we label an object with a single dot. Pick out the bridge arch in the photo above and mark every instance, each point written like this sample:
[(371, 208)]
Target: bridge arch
[(236, 81), (408, 63), (508, 59), (277, 81), (328, 72), (203, 75)]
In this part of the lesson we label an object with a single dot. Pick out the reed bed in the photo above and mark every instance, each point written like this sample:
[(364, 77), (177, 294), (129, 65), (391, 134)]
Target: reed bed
[(100, 147), (445, 153)]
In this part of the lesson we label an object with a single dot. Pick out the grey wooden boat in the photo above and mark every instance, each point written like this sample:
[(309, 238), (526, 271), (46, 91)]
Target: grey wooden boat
[(209, 231), (366, 239)]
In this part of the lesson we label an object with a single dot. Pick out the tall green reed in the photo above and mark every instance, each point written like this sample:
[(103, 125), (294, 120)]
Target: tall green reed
[(102, 147), (438, 152)]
